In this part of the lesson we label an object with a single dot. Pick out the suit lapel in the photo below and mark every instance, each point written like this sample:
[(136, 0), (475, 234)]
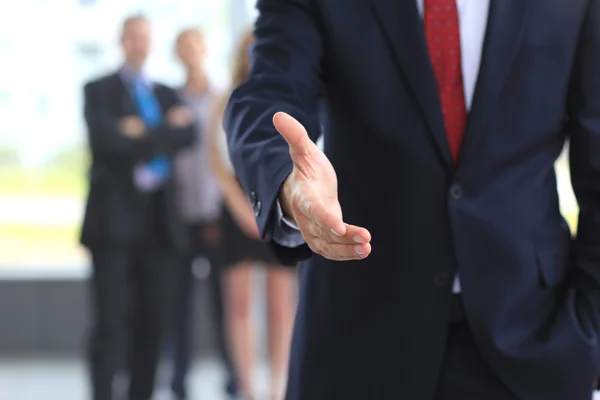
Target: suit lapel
[(505, 23), (127, 101), (403, 29), (123, 96)]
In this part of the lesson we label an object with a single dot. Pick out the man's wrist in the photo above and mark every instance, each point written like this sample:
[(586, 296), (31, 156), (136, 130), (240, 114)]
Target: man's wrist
[(284, 196)]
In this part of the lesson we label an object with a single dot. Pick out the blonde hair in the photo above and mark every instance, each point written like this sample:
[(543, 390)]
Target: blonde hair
[(240, 68), (240, 71)]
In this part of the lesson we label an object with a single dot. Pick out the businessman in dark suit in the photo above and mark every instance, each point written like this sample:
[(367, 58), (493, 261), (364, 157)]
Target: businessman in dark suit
[(131, 224), (458, 278)]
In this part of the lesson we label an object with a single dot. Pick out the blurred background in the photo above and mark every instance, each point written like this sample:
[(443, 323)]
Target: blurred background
[(48, 50)]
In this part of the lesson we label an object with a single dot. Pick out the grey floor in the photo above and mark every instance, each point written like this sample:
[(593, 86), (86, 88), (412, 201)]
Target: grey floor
[(65, 379)]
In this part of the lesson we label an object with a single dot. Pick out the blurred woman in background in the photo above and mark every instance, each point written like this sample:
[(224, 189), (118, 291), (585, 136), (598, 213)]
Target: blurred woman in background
[(200, 203), (244, 249)]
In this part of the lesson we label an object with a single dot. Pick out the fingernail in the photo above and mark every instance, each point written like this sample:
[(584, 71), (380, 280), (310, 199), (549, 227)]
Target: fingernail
[(359, 250), (359, 239), (336, 233)]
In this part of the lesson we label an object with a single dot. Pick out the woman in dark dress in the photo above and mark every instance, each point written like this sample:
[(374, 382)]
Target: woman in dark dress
[(243, 250)]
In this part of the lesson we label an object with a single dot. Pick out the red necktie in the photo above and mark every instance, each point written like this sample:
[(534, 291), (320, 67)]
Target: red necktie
[(443, 39)]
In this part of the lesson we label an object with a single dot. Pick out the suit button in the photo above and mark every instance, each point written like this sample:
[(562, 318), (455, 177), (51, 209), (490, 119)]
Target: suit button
[(441, 279), (456, 192), (255, 203)]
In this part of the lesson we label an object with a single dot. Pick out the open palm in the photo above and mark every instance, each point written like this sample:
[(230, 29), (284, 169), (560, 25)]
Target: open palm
[(309, 195)]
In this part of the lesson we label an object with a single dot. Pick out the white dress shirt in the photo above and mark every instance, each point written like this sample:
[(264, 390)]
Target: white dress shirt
[(473, 15)]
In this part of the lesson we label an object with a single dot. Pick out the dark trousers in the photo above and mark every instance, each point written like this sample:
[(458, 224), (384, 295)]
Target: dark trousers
[(129, 301), (465, 373), (131, 297), (183, 332)]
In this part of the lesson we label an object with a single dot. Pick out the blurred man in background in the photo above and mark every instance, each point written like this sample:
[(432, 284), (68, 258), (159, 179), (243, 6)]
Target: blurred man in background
[(131, 224)]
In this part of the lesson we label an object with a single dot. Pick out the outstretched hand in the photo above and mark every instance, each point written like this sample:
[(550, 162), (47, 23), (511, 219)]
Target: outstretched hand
[(309, 196)]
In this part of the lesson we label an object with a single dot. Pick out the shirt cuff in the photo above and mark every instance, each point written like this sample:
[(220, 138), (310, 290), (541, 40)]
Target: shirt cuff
[(286, 233)]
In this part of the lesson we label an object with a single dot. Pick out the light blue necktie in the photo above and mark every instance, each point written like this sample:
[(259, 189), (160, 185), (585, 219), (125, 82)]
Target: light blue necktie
[(152, 116)]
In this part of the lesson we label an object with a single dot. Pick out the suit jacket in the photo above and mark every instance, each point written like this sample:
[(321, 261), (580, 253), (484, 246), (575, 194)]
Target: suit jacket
[(116, 209), (376, 328)]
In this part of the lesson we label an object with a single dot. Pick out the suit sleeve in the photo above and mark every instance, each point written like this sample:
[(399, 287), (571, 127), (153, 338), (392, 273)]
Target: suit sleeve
[(104, 133), (584, 130), (285, 76)]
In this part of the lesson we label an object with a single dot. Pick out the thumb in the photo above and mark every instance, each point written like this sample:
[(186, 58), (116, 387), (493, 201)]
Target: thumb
[(294, 134)]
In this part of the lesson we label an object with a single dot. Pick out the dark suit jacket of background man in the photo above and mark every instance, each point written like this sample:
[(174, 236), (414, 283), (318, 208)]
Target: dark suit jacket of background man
[(375, 329), (115, 207), (133, 237)]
